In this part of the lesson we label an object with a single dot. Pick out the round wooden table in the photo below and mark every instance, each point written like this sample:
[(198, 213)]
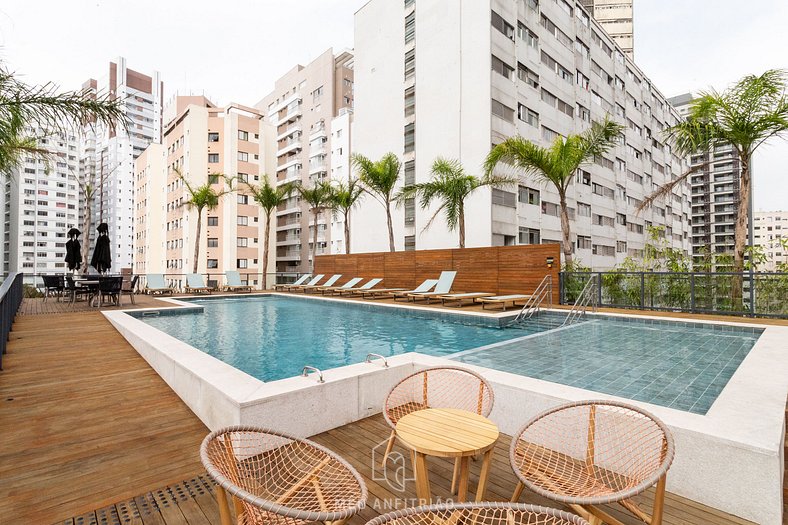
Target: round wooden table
[(448, 433)]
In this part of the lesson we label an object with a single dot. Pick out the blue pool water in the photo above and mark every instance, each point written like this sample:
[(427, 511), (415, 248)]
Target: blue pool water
[(670, 364)]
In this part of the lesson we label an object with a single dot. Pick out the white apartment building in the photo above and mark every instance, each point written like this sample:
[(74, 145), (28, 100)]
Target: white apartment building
[(448, 78), (302, 107), (770, 231), (110, 152), (201, 139), (617, 19), (340, 170), (40, 205)]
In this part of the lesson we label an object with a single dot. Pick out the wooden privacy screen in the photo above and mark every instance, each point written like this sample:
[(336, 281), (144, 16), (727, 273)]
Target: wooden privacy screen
[(499, 269)]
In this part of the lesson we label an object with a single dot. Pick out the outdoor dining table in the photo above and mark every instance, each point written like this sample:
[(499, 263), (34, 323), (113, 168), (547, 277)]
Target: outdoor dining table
[(448, 433), (92, 286)]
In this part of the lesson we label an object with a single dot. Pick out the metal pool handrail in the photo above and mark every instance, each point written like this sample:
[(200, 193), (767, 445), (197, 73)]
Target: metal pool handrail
[(307, 369), (371, 355)]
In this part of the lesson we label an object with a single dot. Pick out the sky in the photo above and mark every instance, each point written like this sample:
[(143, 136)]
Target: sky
[(234, 50)]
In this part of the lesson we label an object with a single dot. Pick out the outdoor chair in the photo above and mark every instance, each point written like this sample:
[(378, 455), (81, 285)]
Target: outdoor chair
[(75, 291), (318, 287), (427, 285), (234, 283), (439, 387), (53, 285), (331, 290), (487, 513), (130, 287), (363, 288), (312, 282), (445, 282), (111, 287), (154, 283), (196, 284), (274, 478), (594, 452), (301, 280)]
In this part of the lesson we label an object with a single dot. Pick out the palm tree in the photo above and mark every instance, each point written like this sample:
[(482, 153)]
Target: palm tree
[(746, 115), (269, 197), (379, 179), (23, 106), (204, 197), (557, 164), (319, 199), (451, 185), (344, 198)]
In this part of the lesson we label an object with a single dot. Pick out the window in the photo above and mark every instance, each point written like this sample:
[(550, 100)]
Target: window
[(213, 137), (553, 29), (583, 210), (242, 242), (583, 177), (242, 220), (584, 113), (621, 219), (410, 137), (213, 264), (243, 135), (213, 158), (548, 134), (530, 38), (529, 235), (549, 208), (502, 111), (528, 115), (621, 165), (621, 247), (410, 243), (528, 195), (243, 177), (604, 191), (410, 64), (243, 156), (601, 220), (527, 76), (243, 199), (410, 102), (556, 67), (410, 27), (601, 249), (504, 198), (582, 80), (241, 263), (502, 68), (213, 179), (410, 172), (581, 48), (213, 242), (583, 242), (497, 22), (213, 221)]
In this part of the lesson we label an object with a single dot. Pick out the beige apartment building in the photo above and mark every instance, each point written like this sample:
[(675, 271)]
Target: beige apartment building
[(301, 107), (202, 140), (617, 19)]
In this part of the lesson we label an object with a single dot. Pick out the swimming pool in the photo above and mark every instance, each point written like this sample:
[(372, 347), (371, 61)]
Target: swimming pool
[(677, 365)]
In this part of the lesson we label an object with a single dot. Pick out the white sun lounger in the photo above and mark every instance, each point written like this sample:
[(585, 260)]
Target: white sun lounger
[(301, 280), (502, 300), (357, 291), (195, 284), (234, 283), (461, 299), (312, 282), (347, 286), (328, 284), (445, 281), (424, 287), (155, 284)]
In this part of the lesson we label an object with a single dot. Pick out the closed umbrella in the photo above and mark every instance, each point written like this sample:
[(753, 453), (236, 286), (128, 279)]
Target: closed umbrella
[(73, 249), (102, 258)]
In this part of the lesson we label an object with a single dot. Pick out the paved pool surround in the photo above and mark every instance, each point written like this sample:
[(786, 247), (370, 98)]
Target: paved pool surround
[(731, 458)]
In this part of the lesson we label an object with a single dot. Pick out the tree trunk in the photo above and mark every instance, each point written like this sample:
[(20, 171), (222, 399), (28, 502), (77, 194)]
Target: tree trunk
[(86, 224), (566, 244), (347, 232), (314, 241), (740, 232), (462, 226), (266, 246), (197, 239), (391, 228)]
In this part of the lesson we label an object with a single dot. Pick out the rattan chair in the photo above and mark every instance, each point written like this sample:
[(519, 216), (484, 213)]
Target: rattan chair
[(594, 452), (279, 479), (488, 513), (440, 387)]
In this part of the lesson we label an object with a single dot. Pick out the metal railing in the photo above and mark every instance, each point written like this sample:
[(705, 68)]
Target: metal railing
[(10, 299), (534, 302), (588, 297), (761, 294)]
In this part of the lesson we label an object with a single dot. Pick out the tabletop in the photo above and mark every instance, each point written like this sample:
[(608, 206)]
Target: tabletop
[(447, 432)]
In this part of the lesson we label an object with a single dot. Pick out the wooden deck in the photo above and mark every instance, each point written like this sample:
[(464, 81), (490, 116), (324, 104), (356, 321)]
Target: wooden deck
[(54, 306)]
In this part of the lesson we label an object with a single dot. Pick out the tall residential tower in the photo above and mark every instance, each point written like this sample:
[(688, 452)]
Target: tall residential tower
[(617, 18)]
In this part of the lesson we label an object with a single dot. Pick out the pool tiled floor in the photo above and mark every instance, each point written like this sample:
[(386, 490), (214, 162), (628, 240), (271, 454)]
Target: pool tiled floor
[(676, 366)]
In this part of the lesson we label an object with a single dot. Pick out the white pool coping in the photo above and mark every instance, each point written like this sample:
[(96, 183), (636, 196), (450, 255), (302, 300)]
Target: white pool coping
[(731, 458)]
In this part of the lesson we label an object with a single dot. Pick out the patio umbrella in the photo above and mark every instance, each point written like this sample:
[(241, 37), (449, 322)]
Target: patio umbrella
[(102, 258), (73, 249)]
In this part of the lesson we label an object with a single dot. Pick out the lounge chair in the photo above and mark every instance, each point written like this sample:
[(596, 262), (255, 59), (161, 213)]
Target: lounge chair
[(349, 292), (234, 283), (155, 284), (312, 282), (130, 287), (317, 287), (195, 284), (389, 292), (502, 300), (460, 299), (298, 282), (443, 287), (348, 285)]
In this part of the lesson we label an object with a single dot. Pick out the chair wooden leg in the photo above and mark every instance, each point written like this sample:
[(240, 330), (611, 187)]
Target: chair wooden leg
[(389, 447), (224, 508), (518, 490), (659, 501)]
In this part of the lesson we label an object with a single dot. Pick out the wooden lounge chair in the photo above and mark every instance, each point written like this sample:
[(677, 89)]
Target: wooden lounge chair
[(488, 513), (234, 283), (443, 287), (590, 453), (462, 299), (335, 289), (503, 300), (350, 292), (298, 282), (312, 282), (195, 284), (317, 287), (426, 286), (154, 284), (276, 478)]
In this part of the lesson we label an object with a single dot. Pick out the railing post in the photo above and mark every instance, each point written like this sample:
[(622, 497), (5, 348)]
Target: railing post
[(692, 292), (752, 289), (560, 287), (642, 290), (599, 289)]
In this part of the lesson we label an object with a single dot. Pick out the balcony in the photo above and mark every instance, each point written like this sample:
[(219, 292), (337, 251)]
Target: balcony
[(317, 132), (289, 240), (289, 164), (289, 131), (291, 208), (282, 105), (290, 145), (317, 167), (288, 255)]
